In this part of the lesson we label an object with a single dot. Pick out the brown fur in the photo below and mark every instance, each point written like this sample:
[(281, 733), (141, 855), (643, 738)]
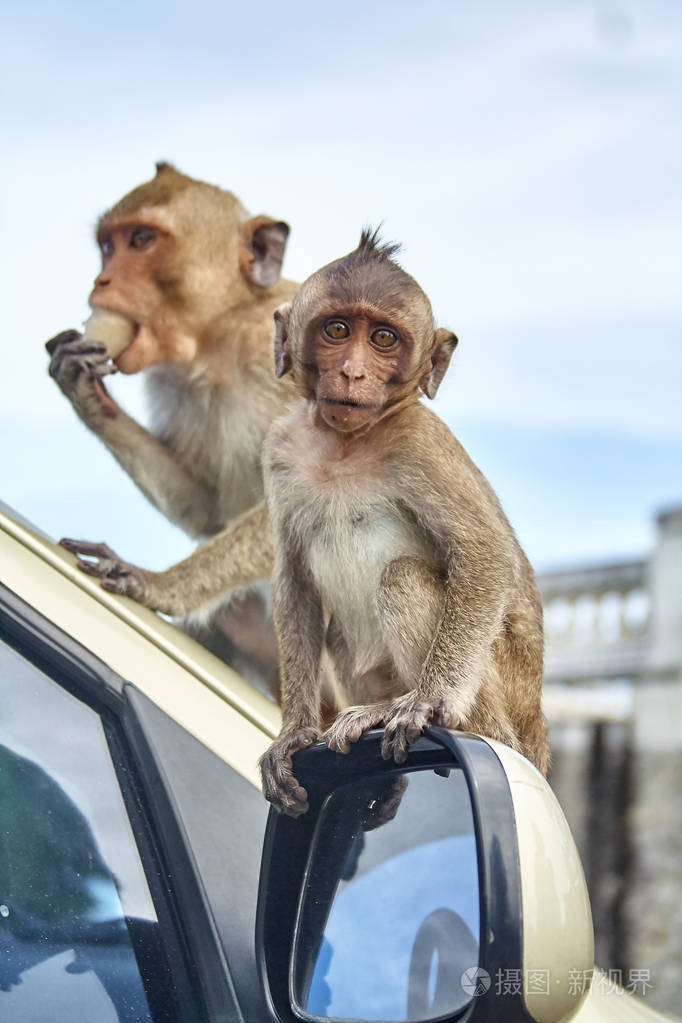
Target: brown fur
[(391, 549), (202, 295)]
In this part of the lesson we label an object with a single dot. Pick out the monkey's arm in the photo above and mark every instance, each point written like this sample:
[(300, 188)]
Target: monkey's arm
[(450, 678), (78, 367), (459, 516), (300, 633), (241, 554)]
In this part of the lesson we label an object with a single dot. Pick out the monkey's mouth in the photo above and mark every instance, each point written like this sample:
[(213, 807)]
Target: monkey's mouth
[(136, 327), (115, 330), (346, 403)]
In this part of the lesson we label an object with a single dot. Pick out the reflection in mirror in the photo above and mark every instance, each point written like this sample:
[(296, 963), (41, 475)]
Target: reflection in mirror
[(389, 914)]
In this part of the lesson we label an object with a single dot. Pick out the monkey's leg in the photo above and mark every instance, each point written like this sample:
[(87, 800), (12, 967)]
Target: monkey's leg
[(299, 622), (366, 691), (489, 715), (411, 599), (518, 658), (240, 555), (334, 666), (241, 632)]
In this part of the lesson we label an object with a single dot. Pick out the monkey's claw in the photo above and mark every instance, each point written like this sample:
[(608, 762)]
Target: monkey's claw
[(352, 723), (406, 719), (74, 359), (114, 574), (280, 787), (65, 337)]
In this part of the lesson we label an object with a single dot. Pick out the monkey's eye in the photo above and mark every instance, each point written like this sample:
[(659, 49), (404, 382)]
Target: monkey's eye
[(140, 237), (337, 330), (107, 247), (384, 338)]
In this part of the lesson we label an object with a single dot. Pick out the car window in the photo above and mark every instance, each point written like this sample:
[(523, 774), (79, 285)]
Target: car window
[(78, 926)]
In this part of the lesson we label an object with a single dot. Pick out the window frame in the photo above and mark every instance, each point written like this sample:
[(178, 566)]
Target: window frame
[(202, 988)]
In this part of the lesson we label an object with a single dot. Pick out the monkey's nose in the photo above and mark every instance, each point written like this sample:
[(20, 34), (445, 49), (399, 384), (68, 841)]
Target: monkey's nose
[(353, 370), (103, 278)]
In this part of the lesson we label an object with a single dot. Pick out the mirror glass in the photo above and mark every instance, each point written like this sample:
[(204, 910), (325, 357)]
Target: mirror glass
[(389, 914)]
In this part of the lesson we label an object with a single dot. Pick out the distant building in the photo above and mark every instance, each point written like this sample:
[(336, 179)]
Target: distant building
[(613, 700)]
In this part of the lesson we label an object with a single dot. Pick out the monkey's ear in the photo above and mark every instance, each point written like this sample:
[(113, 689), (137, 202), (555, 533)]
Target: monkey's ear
[(283, 363), (262, 243), (444, 344)]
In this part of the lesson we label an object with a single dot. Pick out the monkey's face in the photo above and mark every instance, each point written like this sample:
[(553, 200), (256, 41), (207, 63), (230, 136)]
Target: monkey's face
[(360, 340), (138, 280), (177, 256), (357, 364)]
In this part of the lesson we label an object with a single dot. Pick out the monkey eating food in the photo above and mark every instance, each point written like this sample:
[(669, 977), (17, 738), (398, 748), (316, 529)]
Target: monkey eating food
[(112, 330), (391, 549), (187, 290)]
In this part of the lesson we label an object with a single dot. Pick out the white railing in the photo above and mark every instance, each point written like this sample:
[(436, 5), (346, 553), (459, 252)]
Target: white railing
[(597, 621)]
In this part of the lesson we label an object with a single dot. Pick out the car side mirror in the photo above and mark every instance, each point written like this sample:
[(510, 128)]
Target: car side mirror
[(446, 888)]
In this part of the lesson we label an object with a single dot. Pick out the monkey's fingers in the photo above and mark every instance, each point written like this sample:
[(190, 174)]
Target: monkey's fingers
[(89, 550), (81, 357), (404, 726), (114, 574), (351, 724), (99, 569), (126, 581), (292, 803), (64, 337), (281, 788), (276, 762), (446, 715), (395, 746)]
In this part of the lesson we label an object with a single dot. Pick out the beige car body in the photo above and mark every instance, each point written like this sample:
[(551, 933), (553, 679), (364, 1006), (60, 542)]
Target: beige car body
[(227, 715)]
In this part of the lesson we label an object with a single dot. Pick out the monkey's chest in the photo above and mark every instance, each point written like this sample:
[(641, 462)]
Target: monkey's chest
[(347, 554), (216, 435)]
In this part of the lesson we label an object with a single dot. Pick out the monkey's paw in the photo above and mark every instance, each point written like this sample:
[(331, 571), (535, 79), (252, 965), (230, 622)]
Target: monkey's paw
[(279, 785), (114, 574), (78, 367), (352, 723), (407, 717), (72, 357)]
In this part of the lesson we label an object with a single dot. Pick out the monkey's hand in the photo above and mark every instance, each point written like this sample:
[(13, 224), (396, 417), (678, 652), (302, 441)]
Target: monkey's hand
[(279, 785), (354, 722), (408, 716), (115, 575), (78, 367)]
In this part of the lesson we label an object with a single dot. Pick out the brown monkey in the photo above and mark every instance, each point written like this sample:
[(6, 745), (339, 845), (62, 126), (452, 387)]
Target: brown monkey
[(391, 547), (199, 278)]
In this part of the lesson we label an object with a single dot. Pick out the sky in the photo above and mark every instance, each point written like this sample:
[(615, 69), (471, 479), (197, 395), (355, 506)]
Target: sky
[(528, 156)]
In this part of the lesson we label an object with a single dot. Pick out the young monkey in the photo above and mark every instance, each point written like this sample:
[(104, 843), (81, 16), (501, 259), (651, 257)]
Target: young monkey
[(391, 547)]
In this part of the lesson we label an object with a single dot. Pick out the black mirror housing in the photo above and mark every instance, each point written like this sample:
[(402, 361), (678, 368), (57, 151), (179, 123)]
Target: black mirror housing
[(287, 855)]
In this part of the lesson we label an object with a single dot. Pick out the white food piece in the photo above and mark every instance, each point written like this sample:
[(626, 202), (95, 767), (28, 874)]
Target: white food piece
[(112, 330)]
